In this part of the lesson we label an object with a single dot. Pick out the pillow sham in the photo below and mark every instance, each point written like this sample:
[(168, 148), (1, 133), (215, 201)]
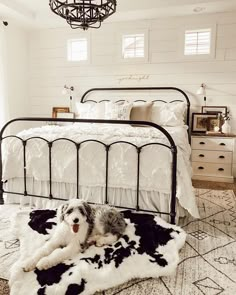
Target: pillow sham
[(169, 114), (141, 111), (90, 110)]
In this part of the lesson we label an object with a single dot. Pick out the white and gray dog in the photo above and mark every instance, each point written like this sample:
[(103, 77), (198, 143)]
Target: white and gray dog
[(79, 225)]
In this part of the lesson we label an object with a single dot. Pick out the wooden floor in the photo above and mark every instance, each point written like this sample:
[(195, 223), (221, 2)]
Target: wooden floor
[(215, 185)]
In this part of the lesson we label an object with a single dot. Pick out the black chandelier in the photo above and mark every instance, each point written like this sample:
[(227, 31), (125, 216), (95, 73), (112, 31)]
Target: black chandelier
[(83, 13)]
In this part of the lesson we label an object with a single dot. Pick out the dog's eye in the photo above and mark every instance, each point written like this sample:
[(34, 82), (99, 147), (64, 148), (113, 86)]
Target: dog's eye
[(69, 211), (81, 211)]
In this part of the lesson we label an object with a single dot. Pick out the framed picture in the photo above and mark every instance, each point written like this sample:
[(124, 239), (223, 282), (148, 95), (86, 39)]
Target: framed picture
[(57, 110), (200, 121), (214, 110), (212, 123)]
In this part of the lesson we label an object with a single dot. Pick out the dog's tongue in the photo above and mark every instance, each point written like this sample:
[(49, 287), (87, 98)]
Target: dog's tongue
[(75, 228)]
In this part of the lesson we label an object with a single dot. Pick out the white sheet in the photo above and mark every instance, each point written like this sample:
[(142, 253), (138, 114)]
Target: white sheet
[(155, 169)]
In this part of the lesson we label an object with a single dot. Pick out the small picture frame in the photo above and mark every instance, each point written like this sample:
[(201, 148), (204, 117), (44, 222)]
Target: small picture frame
[(56, 111), (200, 121), (213, 124), (215, 110)]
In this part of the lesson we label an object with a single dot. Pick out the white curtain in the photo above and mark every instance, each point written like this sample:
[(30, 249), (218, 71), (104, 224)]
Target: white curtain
[(3, 77)]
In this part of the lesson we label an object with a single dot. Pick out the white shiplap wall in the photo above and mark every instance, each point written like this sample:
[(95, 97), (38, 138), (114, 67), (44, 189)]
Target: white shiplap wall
[(17, 71), (49, 69)]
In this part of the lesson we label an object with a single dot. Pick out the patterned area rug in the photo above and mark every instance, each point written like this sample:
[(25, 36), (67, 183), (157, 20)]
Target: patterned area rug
[(208, 259)]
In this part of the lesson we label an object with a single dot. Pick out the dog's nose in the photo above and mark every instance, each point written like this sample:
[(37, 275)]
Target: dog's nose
[(76, 220)]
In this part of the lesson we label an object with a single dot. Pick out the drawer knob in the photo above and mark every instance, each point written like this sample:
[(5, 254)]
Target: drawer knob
[(201, 142), (222, 143), (200, 168), (201, 156), (221, 157), (221, 169)]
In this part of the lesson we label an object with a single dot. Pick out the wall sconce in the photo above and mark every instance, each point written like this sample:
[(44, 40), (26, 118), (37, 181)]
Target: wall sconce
[(68, 90), (202, 91)]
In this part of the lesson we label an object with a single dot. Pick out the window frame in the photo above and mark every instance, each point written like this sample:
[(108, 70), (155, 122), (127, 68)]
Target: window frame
[(196, 28), (87, 61), (146, 47)]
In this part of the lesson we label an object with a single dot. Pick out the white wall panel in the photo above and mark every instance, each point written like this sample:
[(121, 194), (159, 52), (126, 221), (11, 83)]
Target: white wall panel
[(17, 43)]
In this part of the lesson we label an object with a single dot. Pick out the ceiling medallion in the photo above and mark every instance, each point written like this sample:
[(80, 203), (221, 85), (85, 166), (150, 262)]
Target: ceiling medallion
[(83, 14)]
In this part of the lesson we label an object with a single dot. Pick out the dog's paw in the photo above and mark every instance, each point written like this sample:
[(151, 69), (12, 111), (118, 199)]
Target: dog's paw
[(29, 265), (100, 242), (43, 264), (92, 240)]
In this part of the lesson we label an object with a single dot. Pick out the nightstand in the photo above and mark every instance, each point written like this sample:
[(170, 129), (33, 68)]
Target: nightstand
[(212, 157)]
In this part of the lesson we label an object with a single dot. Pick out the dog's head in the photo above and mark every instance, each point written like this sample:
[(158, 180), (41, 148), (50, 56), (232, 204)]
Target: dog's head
[(75, 213)]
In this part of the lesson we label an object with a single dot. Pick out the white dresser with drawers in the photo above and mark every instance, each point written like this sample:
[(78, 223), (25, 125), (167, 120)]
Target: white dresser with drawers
[(212, 158)]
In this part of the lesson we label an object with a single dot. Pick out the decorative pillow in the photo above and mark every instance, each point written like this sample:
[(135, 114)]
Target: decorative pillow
[(141, 112), (90, 110), (117, 111), (169, 114)]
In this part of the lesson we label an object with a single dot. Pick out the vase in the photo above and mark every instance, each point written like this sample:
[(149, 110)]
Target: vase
[(226, 128)]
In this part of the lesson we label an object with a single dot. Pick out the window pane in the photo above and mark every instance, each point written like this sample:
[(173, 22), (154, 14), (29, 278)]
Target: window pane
[(133, 46), (77, 50), (197, 42)]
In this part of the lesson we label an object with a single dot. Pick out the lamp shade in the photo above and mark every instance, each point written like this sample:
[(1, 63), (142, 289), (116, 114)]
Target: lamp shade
[(68, 90), (64, 91), (201, 90)]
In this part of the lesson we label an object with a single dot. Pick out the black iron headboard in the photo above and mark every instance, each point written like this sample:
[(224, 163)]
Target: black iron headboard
[(142, 89)]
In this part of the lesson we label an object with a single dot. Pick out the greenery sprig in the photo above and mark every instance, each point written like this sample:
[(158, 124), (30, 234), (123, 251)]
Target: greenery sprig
[(226, 117)]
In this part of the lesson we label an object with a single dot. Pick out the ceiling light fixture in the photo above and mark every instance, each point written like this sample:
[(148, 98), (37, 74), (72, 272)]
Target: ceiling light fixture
[(83, 14)]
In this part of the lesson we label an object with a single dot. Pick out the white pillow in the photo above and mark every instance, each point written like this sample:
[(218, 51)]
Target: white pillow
[(117, 111), (90, 110), (169, 114)]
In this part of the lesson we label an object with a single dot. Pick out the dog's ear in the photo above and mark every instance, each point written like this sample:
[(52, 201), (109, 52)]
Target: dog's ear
[(61, 212), (88, 212)]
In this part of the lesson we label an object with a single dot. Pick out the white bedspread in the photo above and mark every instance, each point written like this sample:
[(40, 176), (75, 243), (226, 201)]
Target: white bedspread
[(155, 162)]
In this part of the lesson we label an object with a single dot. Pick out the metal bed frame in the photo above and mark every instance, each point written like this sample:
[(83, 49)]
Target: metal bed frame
[(107, 147)]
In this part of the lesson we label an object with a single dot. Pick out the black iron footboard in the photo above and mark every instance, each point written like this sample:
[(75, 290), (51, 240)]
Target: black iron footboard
[(171, 146)]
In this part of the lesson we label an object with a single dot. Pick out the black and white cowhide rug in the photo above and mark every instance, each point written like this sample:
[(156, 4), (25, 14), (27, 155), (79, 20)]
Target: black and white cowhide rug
[(149, 248)]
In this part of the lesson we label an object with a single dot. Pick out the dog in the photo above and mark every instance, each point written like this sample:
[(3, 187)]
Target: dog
[(79, 225)]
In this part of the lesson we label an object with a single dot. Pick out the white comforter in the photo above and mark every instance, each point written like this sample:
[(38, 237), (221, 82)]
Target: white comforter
[(155, 162)]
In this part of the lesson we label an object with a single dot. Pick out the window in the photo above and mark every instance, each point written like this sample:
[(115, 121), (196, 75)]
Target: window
[(197, 42), (133, 46), (77, 49)]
